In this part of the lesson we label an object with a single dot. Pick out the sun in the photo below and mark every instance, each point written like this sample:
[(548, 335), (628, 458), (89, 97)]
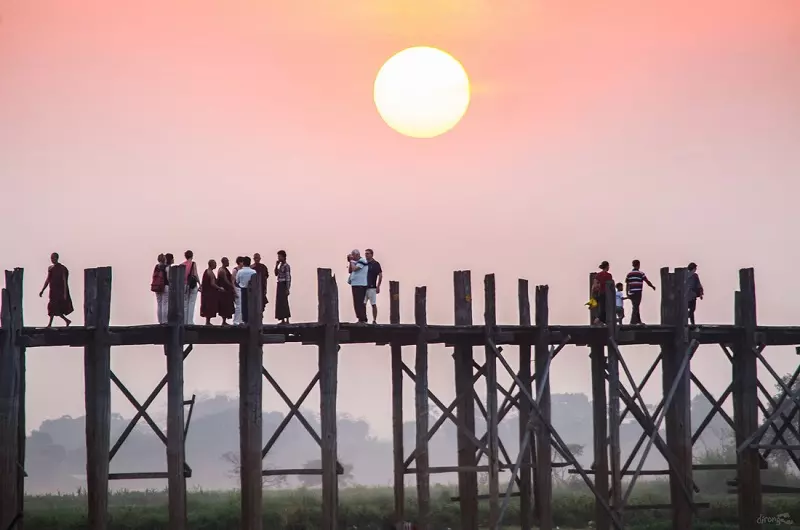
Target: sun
[(422, 92)]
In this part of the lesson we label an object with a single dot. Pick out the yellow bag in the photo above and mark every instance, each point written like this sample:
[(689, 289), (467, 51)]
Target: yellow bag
[(591, 304)]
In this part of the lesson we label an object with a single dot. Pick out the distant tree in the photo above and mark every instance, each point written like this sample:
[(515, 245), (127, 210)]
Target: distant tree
[(560, 473), (315, 481), (267, 482)]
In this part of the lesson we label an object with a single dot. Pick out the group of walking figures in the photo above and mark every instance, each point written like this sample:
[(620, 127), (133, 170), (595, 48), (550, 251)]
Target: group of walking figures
[(635, 281), (223, 292)]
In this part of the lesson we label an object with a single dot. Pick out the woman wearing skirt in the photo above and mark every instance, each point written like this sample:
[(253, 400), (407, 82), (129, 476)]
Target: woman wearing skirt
[(283, 273)]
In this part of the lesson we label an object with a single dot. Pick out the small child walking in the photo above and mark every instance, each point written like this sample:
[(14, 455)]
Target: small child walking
[(620, 308)]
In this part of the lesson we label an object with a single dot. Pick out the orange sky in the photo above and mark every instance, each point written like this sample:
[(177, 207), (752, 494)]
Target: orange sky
[(665, 131)]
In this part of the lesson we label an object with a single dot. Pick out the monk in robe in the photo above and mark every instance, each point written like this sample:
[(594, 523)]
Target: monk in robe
[(209, 293), (59, 303), (227, 297), (263, 274)]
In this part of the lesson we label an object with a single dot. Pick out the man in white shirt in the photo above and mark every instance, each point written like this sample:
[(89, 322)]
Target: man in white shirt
[(243, 277), (359, 271)]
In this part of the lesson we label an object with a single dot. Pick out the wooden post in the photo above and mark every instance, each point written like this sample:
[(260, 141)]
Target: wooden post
[(525, 471), (615, 456), (490, 319), (251, 361), (599, 422), (97, 378), (11, 496), (328, 371), (397, 408), (465, 408), (173, 350), (421, 402), (677, 419), (544, 471), (745, 404)]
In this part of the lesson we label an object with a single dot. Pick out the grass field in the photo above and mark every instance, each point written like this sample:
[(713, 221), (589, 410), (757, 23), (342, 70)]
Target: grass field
[(364, 508)]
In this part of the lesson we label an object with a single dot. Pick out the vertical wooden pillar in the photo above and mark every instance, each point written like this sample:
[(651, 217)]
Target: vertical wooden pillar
[(173, 350), (490, 320), (97, 393), (544, 471), (599, 423), (465, 407), (328, 371), (615, 456), (397, 408), (525, 471), (421, 402), (745, 404), (11, 404), (677, 419), (251, 361)]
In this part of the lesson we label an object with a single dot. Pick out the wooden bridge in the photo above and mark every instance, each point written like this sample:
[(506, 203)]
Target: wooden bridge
[(535, 340)]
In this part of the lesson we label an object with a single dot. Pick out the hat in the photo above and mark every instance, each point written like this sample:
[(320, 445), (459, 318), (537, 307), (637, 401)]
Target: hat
[(603, 265)]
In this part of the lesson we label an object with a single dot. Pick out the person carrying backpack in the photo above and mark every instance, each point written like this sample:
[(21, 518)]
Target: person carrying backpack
[(160, 286)]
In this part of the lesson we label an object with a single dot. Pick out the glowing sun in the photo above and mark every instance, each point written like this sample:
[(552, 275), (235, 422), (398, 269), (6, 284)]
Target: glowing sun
[(422, 92)]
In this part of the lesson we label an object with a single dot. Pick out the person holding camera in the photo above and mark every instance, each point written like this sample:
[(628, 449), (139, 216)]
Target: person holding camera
[(358, 280)]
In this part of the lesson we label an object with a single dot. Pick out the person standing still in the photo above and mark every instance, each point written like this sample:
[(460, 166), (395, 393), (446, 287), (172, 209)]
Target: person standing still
[(263, 273), (158, 285), (192, 287), (695, 290), (243, 280), (283, 274), (634, 283), (357, 266), (374, 279)]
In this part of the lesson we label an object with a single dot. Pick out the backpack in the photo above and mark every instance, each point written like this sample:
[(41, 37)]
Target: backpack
[(158, 282), (192, 281)]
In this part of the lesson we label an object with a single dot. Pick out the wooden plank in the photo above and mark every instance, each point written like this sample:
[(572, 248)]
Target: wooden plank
[(525, 474), (599, 422), (465, 408), (615, 455), (328, 370), (250, 409), (544, 471), (677, 419), (97, 378), (173, 350), (397, 408), (11, 496), (745, 403), (490, 320), (423, 416)]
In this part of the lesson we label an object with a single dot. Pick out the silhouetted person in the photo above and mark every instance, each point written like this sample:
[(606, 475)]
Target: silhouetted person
[(263, 273), (227, 296), (243, 281), (283, 273), (158, 285), (374, 279), (695, 290), (619, 305), (357, 266), (192, 286), (59, 303), (599, 291), (634, 283), (209, 293)]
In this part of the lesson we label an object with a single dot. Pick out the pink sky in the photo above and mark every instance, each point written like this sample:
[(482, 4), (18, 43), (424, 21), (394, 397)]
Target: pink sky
[(664, 131)]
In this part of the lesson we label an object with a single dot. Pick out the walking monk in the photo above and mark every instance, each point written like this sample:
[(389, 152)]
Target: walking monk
[(227, 297), (59, 302), (209, 293)]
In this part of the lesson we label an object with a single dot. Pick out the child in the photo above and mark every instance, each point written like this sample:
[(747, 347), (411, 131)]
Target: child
[(620, 308)]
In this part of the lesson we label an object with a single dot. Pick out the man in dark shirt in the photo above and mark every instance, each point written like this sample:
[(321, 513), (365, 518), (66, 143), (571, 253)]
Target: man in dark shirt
[(599, 291), (374, 279), (263, 274), (634, 283)]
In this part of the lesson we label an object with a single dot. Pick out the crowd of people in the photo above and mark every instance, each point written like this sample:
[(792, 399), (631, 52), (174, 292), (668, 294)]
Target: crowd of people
[(635, 281), (223, 292), (226, 293)]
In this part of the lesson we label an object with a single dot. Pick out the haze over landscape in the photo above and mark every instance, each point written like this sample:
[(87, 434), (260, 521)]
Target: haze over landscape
[(663, 131)]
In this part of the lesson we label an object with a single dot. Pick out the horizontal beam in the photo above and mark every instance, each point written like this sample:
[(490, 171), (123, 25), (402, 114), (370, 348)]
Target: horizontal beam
[(403, 334), (144, 475), (298, 471), (662, 506), (695, 467)]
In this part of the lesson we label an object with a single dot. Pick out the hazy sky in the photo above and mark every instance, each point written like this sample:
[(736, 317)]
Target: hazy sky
[(667, 131)]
